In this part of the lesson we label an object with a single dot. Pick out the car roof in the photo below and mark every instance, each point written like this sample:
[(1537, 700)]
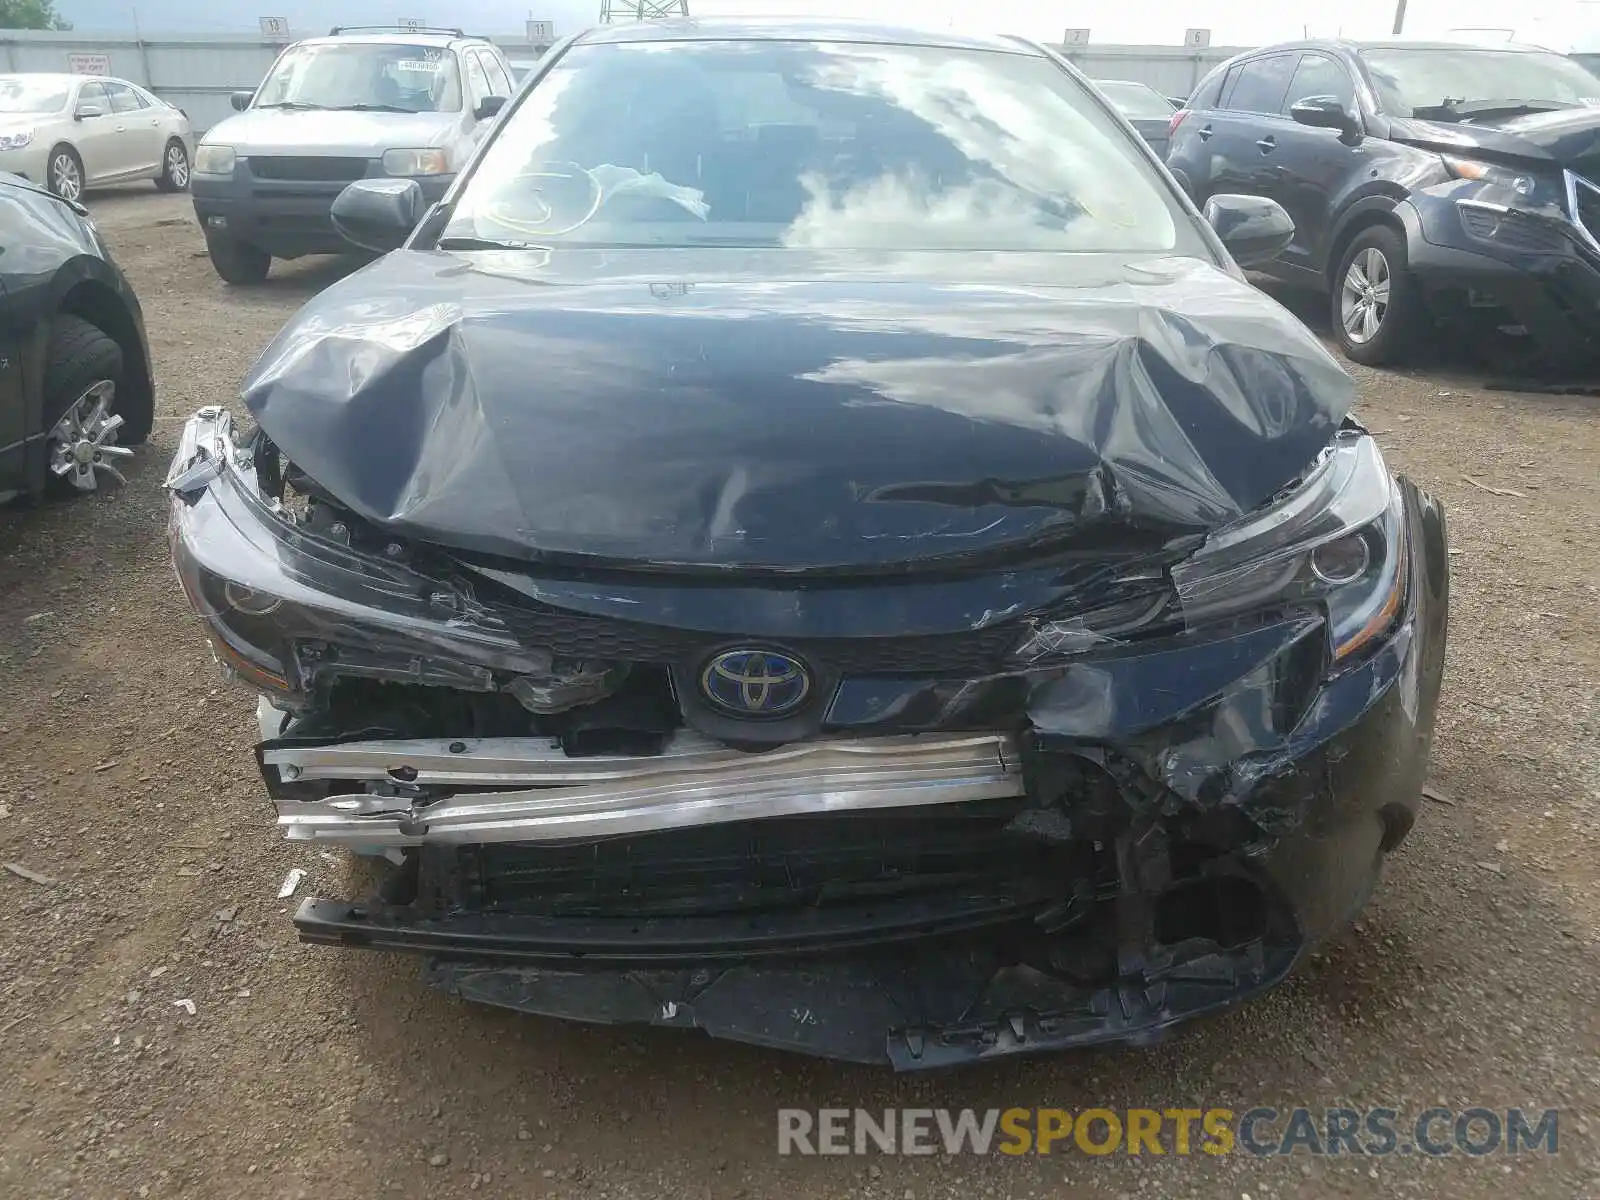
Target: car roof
[(64, 77), (1400, 43), (393, 37), (801, 29)]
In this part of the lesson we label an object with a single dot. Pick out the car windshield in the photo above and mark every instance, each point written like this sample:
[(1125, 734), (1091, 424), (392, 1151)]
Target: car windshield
[(1463, 80), (807, 144), (18, 94), (1135, 101), (385, 76)]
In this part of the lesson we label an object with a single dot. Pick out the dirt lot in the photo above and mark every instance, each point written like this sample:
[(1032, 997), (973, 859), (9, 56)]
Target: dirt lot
[(125, 774)]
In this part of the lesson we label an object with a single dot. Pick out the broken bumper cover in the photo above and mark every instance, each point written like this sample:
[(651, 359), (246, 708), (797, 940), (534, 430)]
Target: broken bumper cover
[(955, 1002), (1052, 955), (1159, 832)]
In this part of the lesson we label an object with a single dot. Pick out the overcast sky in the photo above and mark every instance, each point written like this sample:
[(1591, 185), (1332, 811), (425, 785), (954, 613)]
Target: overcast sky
[(1233, 22)]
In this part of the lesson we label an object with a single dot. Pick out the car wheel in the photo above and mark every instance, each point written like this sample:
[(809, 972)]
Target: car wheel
[(64, 173), (1376, 305), (174, 175), (81, 372), (238, 262)]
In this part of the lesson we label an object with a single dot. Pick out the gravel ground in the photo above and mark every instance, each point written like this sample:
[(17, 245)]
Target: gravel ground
[(125, 775)]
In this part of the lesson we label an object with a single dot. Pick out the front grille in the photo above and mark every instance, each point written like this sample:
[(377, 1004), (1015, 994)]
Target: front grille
[(312, 168), (1583, 198), (584, 637), (1513, 231), (751, 866)]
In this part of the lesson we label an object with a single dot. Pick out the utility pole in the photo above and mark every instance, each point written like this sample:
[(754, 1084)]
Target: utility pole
[(641, 10), (1399, 17)]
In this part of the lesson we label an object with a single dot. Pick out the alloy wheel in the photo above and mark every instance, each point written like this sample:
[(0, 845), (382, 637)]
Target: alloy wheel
[(83, 442), (178, 166), (65, 178), (1364, 295)]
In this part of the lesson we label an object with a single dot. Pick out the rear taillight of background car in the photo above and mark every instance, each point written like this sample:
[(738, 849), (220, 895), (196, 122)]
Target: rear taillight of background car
[(1177, 119)]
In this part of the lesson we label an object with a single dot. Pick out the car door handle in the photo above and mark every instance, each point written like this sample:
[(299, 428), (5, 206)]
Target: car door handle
[(1268, 145), (1205, 133)]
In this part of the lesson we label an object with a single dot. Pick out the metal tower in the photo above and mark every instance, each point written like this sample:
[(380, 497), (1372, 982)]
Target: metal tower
[(641, 10)]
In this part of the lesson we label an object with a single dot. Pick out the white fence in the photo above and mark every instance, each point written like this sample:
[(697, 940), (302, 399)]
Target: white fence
[(197, 72)]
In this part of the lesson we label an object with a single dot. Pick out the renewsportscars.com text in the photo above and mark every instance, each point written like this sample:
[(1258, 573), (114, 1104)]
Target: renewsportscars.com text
[(1261, 1131)]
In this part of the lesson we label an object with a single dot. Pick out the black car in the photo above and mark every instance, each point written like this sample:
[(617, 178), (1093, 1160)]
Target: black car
[(843, 560), (1147, 110), (75, 388), (1428, 182)]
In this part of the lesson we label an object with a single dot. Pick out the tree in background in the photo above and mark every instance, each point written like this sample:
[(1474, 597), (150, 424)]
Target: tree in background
[(31, 14)]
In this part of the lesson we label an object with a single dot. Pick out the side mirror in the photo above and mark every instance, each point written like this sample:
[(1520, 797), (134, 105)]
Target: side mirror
[(488, 107), (1254, 229), (86, 111), (378, 214), (1328, 112), (240, 100)]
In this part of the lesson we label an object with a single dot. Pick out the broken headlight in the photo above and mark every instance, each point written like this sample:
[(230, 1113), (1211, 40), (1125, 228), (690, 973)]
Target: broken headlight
[(1335, 539), (283, 605)]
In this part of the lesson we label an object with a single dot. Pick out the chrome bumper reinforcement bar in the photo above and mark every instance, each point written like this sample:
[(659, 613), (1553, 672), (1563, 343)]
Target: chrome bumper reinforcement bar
[(693, 782)]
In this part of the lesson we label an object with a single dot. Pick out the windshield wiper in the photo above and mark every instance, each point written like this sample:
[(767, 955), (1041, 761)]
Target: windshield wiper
[(400, 108), (478, 243), (291, 104), (1450, 109)]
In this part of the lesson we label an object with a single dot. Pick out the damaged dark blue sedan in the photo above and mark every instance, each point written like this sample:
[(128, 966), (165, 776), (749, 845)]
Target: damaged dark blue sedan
[(814, 539)]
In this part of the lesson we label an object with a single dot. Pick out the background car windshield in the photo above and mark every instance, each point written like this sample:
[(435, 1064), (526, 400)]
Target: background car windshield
[(1136, 101), (1408, 80), (364, 74), (31, 96), (804, 144)]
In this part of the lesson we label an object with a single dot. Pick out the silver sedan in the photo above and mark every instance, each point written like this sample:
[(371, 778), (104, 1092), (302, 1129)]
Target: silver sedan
[(72, 132)]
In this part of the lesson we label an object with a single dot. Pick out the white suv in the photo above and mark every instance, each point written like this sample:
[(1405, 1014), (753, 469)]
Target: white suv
[(357, 104)]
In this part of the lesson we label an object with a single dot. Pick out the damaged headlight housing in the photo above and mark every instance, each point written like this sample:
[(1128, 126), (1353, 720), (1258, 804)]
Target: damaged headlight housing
[(282, 605), (1337, 539)]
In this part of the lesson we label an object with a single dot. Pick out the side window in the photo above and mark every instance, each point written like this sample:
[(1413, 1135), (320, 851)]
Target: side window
[(95, 94), (477, 79), (1319, 75), (1209, 92), (499, 77), (1262, 84), (124, 98)]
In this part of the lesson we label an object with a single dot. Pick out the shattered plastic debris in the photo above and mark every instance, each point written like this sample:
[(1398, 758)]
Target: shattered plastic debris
[(291, 881), (186, 1004)]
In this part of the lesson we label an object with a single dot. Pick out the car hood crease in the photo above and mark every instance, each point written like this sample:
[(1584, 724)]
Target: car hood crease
[(783, 409)]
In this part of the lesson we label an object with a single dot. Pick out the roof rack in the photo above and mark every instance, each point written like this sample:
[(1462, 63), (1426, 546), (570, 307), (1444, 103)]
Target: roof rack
[(338, 29)]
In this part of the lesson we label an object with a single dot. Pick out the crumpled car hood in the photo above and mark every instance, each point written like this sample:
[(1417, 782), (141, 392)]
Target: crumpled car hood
[(778, 409)]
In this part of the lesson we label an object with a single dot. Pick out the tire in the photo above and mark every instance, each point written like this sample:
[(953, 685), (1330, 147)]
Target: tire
[(237, 262), (174, 175), (63, 173), (78, 357), (1386, 318)]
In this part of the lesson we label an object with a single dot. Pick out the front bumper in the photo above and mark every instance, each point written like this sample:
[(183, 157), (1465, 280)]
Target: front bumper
[(1536, 266), (961, 869), (30, 162), (287, 218)]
